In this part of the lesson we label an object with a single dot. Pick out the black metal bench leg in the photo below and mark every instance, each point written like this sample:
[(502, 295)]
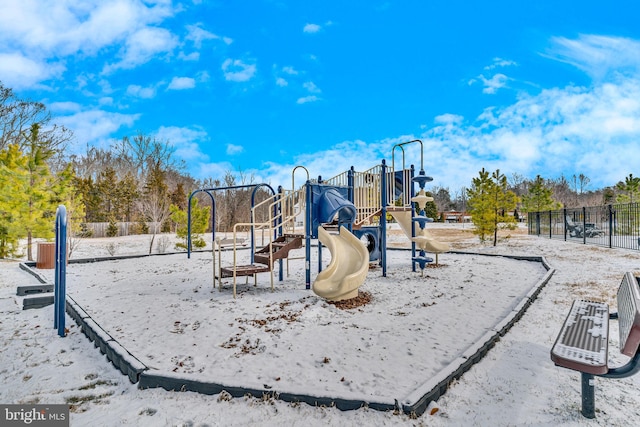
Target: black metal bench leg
[(588, 396)]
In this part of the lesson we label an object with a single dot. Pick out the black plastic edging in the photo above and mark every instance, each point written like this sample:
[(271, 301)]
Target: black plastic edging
[(28, 267), (150, 379), (34, 289), (36, 302)]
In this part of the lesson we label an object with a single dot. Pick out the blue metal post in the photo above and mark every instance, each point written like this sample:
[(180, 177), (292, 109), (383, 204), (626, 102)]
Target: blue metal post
[(278, 214), (213, 220), (383, 219), (60, 286), (351, 191), (189, 224), (319, 244), (307, 237), (413, 214)]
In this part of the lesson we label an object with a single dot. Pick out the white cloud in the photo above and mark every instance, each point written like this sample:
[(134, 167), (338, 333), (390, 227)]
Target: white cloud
[(598, 56), (311, 28), (18, 71), (94, 127), (48, 31), (281, 82), (141, 92), (142, 46), (202, 76), (306, 99), (236, 70), (448, 119), (64, 107), (193, 56), (328, 162), (572, 130), (311, 87), (178, 83), (289, 70), (213, 170), (499, 63), (197, 35), (234, 149), (186, 142), (590, 130), (492, 85)]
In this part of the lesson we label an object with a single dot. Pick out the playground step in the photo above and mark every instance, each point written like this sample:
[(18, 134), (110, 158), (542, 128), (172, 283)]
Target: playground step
[(279, 249), (34, 289), (399, 208), (36, 302), (244, 270)]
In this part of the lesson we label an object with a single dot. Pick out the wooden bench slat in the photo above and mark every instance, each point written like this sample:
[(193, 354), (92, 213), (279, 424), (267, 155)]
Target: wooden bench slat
[(583, 341)]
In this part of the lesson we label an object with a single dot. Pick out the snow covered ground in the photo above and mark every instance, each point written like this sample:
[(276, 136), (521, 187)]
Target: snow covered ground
[(163, 309)]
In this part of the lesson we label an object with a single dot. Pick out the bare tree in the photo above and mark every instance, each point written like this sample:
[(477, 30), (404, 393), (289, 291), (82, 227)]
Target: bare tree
[(442, 198), (17, 116), (518, 184), (155, 207)]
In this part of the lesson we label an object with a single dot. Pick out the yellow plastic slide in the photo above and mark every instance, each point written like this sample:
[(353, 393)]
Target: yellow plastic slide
[(424, 240), (348, 267)]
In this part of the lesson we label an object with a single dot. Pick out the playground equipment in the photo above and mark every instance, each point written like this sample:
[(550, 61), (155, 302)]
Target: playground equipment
[(348, 268), (330, 204), (423, 238), (406, 215), (353, 206)]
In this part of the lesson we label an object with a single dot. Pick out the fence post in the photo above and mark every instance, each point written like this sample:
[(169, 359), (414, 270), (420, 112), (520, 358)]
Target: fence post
[(584, 225), (60, 287), (550, 228), (564, 223), (610, 226)]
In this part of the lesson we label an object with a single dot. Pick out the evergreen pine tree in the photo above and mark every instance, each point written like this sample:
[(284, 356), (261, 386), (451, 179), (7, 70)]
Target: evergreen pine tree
[(14, 181), (65, 193), (38, 218), (199, 222), (630, 190), (539, 197), (490, 202), (107, 188), (431, 209), (112, 228)]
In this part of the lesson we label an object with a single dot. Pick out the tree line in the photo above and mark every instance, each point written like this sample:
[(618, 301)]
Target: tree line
[(138, 179), (494, 205)]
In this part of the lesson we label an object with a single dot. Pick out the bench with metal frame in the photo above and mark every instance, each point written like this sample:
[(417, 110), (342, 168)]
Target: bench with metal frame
[(582, 344)]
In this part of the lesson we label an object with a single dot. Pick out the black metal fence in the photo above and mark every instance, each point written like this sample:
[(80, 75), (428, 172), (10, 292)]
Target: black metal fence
[(613, 226)]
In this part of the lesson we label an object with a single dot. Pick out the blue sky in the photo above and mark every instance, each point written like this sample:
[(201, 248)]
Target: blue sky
[(537, 87)]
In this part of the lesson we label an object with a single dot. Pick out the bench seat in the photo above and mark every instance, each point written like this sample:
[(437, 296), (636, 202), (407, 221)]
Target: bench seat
[(582, 344)]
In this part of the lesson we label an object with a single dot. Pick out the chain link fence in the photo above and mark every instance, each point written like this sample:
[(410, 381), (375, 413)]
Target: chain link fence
[(613, 226)]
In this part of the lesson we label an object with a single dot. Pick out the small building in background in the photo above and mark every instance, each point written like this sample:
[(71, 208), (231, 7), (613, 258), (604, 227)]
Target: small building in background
[(456, 216)]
